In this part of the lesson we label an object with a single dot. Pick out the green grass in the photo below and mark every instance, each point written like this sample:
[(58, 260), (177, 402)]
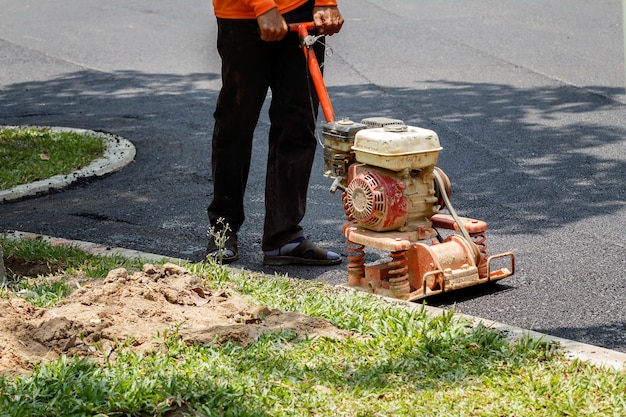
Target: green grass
[(401, 362), (67, 257), (44, 293), (31, 154)]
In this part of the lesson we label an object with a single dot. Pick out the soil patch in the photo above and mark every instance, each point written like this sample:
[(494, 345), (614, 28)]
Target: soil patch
[(25, 268), (137, 307)]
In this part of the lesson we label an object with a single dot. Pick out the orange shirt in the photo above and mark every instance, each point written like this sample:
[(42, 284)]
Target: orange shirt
[(250, 9)]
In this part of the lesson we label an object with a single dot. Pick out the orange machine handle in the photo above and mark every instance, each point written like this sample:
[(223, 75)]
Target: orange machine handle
[(316, 74)]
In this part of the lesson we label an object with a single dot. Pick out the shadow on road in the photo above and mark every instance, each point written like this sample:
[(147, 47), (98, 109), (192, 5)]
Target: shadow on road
[(527, 159), (523, 159)]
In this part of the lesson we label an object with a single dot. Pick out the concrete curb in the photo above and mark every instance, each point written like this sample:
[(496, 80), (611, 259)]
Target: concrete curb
[(118, 153), (594, 355)]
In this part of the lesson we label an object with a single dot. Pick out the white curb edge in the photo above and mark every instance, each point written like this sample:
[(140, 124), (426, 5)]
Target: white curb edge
[(595, 355), (118, 153)]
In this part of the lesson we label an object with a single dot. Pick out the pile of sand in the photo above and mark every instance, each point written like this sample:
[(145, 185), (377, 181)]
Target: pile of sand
[(138, 307)]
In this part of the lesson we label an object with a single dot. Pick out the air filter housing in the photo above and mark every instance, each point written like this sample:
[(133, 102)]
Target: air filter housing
[(397, 147)]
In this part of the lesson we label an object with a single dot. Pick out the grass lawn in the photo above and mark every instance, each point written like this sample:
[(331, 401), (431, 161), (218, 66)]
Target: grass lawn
[(398, 362), (31, 154)]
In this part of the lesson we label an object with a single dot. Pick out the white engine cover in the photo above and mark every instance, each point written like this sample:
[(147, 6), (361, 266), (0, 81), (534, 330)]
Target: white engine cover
[(397, 147)]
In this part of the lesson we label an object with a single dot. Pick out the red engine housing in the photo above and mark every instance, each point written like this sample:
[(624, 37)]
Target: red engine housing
[(376, 199)]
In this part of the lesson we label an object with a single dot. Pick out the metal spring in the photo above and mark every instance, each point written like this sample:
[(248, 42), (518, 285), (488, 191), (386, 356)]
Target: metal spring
[(480, 240), (399, 274), (356, 262)]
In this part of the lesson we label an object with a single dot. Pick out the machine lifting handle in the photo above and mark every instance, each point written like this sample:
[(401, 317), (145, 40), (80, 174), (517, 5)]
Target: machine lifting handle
[(306, 41)]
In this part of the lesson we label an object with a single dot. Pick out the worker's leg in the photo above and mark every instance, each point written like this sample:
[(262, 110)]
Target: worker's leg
[(245, 78), (292, 146)]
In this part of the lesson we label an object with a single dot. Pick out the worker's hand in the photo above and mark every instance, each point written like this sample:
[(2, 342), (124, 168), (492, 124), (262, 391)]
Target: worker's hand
[(272, 25), (328, 20)]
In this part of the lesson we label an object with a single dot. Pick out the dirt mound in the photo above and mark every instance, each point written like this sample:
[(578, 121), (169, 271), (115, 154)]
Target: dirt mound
[(137, 308)]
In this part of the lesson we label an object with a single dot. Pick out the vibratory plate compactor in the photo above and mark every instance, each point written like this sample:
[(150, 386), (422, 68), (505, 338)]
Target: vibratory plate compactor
[(393, 195)]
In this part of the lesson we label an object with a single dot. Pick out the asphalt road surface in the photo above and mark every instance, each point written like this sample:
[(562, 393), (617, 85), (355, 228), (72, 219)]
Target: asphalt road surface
[(527, 98)]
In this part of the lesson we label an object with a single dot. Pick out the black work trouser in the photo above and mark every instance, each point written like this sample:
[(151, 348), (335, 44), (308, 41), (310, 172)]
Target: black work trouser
[(249, 67)]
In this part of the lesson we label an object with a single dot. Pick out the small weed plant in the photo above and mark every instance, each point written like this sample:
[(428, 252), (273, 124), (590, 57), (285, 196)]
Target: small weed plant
[(399, 361), (220, 235)]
